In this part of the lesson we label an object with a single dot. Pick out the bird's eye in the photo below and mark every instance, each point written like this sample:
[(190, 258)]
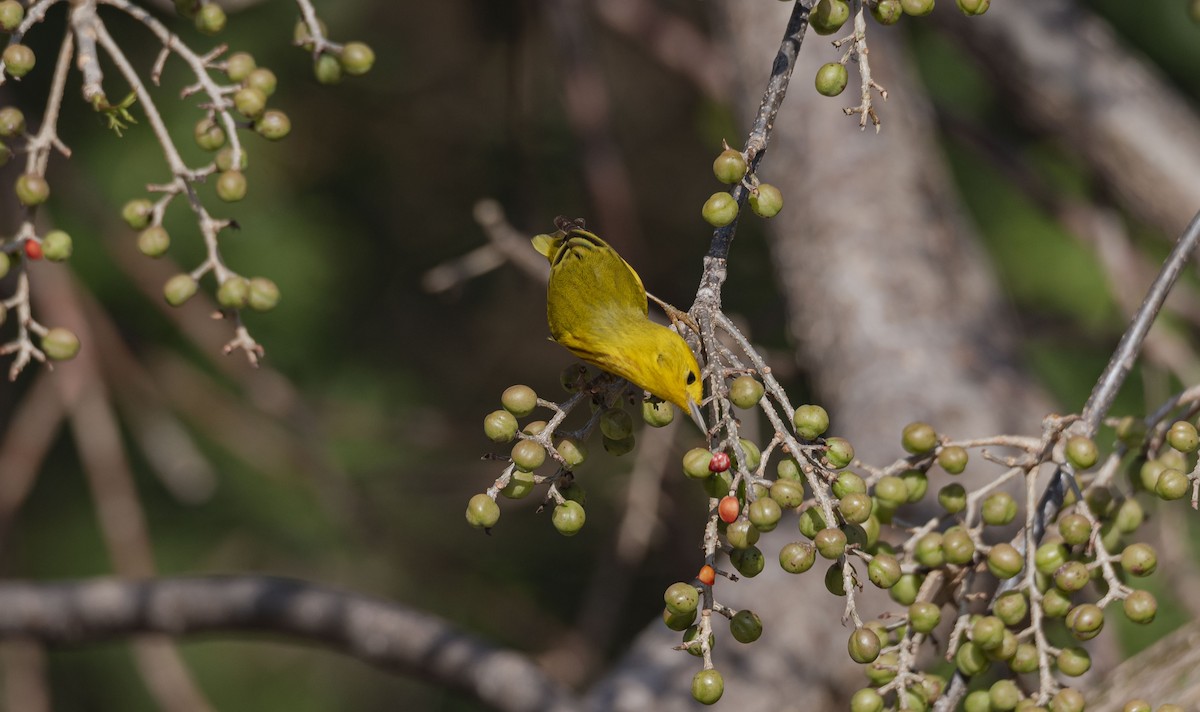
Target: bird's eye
[(691, 378)]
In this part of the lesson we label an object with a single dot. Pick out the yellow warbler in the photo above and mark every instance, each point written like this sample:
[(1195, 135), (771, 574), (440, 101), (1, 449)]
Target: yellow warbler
[(597, 308)]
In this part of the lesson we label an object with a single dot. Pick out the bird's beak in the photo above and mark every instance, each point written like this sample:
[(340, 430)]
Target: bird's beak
[(697, 418)]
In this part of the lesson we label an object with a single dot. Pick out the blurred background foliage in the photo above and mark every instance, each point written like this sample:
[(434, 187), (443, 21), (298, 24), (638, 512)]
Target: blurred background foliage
[(356, 474)]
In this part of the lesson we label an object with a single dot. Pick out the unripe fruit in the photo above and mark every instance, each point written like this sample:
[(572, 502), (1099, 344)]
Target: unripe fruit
[(810, 421), (528, 455), (681, 597), (830, 543), (231, 186), (905, 590), (765, 514), (1071, 576), (357, 58), (482, 512), (839, 452), (1139, 559), (678, 622), (741, 534), (745, 392), (917, 8), (210, 19), (234, 292), (534, 428), (179, 289), (828, 16), (866, 700), (5, 264), (32, 189), (57, 246), (695, 463), (797, 557), (1004, 561), (953, 498), (691, 639), (1067, 700), (1055, 603), (891, 491), (855, 507), (1073, 661), (1082, 452), (1140, 607), (136, 213), (745, 626), (918, 438), (1129, 516), (657, 414), (12, 122), (999, 508), (957, 546), (1172, 484), (978, 701), (520, 400), (928, 550), (1049, 557), (749, 562), (208, 134), (728, 509), (849, 483), (1075, 529), (1085, 621), (264, 294), (273, 125), (616, 423), (327, 69), (973, 7), (11, 14), (766, 200), (970, 659), (988, 632), (924, 616), (916, 482), (1149, 473), (831, 79), (1183, 436), (224, 159), (730, 166), (789, 469), (812, 521), (835, 581), (250, 102), (718, 484), (239, 65), (719, 210), (883, 670), (520, 483), (262, 79), (571, 451), (1025, 660), (1011, 607), (60, 344), (787, 493), (884, 570), (887, 12), (953, 459), (18, 60), (707, 687), (863, 645), (568, 518), (1004, 695)]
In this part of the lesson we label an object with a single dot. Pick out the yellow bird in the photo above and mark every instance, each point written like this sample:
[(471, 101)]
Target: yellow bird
[(597, 308)]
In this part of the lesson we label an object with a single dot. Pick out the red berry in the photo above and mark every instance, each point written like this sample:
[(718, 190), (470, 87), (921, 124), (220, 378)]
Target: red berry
[(719, 462), (33, 249), (729, 509), (707, 575)]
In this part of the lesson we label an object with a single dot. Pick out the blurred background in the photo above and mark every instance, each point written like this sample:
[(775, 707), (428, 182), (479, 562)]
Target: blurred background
[(348, 458)]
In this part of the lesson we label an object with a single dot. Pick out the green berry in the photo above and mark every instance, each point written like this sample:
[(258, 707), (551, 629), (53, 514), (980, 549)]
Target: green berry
[(1139, 559), (1140, 607), (797, 557), (1129, 516), (765, 514), (916, 483), (953, 459), (835, 581), (789, 469), (831, 79), (1172, 484), (210, 19), (973, 7), (883, 670), (234, 292), (482, 512), (810, 421), (60, 344), (730, 166), (574, 492), (327, 69), (866, 700), (855, 507), (208, 134), (787, 493), (1082, 452), (1049, 557), (745, 626), (1004, 561), (11, 14), (1075, 529), (520, 483), (678, 622), (153, 241), (32, 189), (999, 508), (919, 438), (264, 294), (838, 452), (695, 463), (745, 392), (1055, 603), (357, 58), (12, 122), (849, 483), (884, 570), (978, 701), (1072, 576), (766, 200), (924, 616), (741, 534), (720, 209), (301, 36), (1073, 661), (891, 491), (917, 8), (179, 289), (1004, 695), (749, 562), (528, 455), (863, 645), (887, 12), (1085, 621), (905, 590), (273, 125), (568, 518), (752, 453), (830, 543), (811, 521), (953, 498), (57, 246), (928, 551), (262, 79), (1149, 473), (707, 687), (239, 65), (224, 159), (616, 423), (572, 452), (5, 265), (1067, 700), (136, 213), (828, 16), (18, 60), (691, 639), (988, 632), (957, 546), (970, 659), (619, 447), (231, 186), (657, 414), (250, 102), (1025, 659), (1011, 607), (520, 400)]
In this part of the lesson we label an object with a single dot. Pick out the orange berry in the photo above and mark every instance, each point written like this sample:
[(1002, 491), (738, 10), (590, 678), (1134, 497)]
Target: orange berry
[(707, 575), (728, 509)]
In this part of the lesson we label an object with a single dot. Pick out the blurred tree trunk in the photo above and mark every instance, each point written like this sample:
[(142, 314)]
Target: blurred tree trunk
[(895, 316)]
